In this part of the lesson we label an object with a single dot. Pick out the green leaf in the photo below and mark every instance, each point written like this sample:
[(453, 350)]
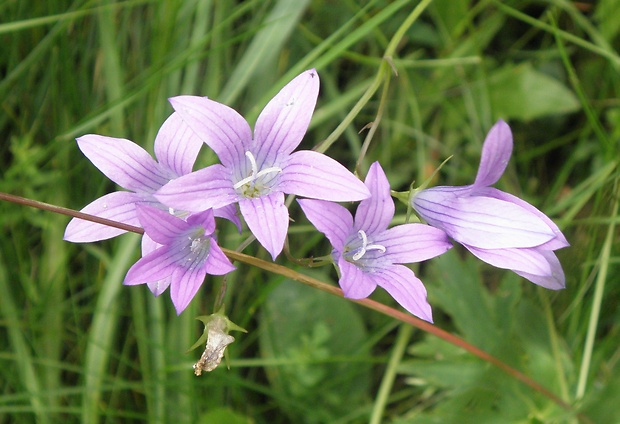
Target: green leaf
[(522, 92), (319, 340)]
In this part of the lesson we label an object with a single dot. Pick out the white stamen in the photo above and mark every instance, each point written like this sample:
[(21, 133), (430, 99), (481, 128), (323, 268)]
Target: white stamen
[(255, 173), (365, 246)]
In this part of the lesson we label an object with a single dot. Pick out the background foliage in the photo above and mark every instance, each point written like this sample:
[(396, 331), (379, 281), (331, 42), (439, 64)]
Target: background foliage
[(77, 346)]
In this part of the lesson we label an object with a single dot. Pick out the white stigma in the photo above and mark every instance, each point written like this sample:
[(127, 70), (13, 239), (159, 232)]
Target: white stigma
[(366, 247), (255, 172)]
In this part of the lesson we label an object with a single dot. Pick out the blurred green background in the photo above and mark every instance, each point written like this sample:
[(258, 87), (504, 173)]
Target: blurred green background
[(77, 346)]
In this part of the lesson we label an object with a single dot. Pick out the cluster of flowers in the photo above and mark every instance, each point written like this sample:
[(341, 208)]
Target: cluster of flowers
[(177, 207)]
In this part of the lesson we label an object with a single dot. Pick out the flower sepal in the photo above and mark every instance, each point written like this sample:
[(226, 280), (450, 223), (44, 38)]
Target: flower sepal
[(216, 337)]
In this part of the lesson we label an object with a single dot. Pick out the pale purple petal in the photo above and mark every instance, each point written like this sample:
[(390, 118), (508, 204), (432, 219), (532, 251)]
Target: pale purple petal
[(331, 219), (185, 285), (124, 162), (148, 245), (155, 266), (482, 222), (206, 188), (284, 121), (496, 152), (555, 280), (160, 286), (162, 227), (204, 219), (312, 174), (177, 146), (375, 214), (531, 261), (267, 219), (219, 126), (355, 283), (409, 243), (407, 289), (557, 243), (118, 206), (230, 213), (217, 262)]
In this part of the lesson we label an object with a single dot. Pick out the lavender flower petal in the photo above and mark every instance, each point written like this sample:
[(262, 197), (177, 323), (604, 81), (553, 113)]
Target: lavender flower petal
[(355, 283), (267, 218), (124, 162), (219, 126), (209, 187), (286, 117), (117, 206), (496, 152), (558, 242), (374, 214), (177, 146), (407, 289), (329, 218), (484, 222), (409, 243), (312, 174)]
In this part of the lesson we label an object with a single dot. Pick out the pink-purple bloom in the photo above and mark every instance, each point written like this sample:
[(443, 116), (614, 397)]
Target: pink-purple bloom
[(257, 170), (187, 252), (495, 226), (369, 254), (132, 168)]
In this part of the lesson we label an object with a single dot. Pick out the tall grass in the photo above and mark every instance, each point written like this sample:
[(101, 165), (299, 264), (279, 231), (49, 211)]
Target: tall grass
[(432, 77)]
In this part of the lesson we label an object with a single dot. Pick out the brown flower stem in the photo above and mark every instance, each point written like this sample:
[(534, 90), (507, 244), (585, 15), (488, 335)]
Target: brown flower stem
[(312, 282)]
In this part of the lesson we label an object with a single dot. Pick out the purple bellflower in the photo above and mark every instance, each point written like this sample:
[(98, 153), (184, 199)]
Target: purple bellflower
[(495, 226), (187, 252), (257, 170), (369, 254), (131, 167)]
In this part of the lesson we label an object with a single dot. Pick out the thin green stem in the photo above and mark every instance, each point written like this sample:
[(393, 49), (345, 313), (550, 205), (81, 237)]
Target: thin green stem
[(598, 297), (402, 341)]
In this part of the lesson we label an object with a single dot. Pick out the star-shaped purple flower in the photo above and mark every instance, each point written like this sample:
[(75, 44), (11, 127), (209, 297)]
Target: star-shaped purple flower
[(368, 254), (187, 252), (256, 171), (495, 226), (131, 167)]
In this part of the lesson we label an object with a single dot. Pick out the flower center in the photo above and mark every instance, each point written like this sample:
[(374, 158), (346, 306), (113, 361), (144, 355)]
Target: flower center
[(366, 246), (199, 246), (254, 185)]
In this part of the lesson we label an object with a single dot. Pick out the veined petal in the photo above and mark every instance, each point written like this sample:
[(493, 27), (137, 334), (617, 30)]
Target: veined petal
[(217, 262), (407, 289), (157, 265), (284, 121), (375, 214), (496, 152), (124, 162), (148, 245), (230, 213), (312, 174), (162, 227), (556, 243), (177, 146), (210, 187), (482, 222), (331, 219), (118, 206), (529, 260), (158, 287), (267, 219), (355, 283), (555, 280), (185, 285), (204, 219), (219, 126), (409, 243)]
